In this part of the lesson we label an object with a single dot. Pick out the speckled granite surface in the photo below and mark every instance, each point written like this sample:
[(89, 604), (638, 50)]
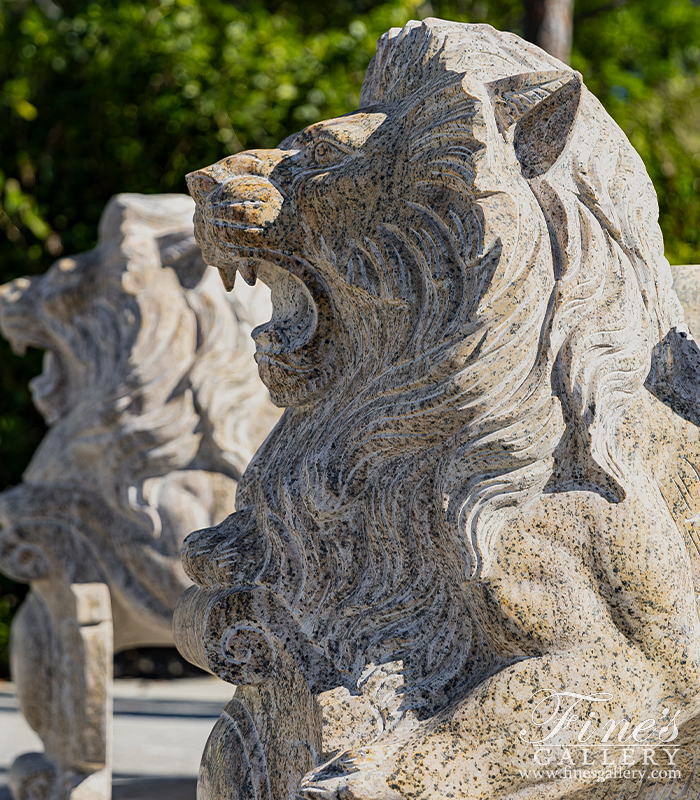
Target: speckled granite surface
[(464, 564)]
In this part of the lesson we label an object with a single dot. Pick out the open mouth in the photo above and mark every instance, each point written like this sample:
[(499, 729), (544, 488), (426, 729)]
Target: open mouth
[(240, 228), (294, 350), (50, 389), (300, 304), (21, 327), (16, 334), (16, 317), (234, 212), (294, 313)]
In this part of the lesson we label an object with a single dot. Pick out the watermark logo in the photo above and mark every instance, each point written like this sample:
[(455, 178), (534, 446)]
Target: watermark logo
[(574, 737)]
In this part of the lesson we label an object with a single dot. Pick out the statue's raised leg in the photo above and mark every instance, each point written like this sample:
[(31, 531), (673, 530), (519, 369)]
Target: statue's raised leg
[(61, 651), (269, 736)]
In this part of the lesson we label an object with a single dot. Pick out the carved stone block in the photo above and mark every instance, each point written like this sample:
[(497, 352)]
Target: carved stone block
[(154, 409), (473, 535)]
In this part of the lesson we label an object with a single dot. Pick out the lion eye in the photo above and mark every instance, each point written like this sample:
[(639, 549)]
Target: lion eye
[(326, 153)]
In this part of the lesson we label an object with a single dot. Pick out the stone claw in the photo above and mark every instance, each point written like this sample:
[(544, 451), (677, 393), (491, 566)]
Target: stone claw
[(230, 554)]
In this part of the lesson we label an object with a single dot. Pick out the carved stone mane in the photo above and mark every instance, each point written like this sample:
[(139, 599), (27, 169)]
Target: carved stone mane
[(468, 289)]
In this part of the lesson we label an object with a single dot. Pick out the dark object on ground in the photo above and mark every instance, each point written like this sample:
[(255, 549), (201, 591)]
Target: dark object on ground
[(126, 788), (154, 662)]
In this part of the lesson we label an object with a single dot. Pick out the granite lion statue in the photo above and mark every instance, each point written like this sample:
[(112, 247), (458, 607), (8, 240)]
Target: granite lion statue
[(154, 409), (482, 497)]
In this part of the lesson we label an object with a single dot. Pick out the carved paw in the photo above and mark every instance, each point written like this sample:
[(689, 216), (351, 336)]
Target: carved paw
[(229, 554), (34, 777), (354, 775)]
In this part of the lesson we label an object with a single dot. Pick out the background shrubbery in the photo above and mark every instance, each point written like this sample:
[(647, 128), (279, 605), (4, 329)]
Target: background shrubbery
[(100, 98)]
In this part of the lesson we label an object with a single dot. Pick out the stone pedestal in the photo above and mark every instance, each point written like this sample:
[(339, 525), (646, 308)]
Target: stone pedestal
[(62, 665)]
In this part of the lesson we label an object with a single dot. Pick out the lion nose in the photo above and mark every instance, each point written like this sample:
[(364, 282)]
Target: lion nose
[(258, 163), (254, 162), (13, 292), (201, 185)]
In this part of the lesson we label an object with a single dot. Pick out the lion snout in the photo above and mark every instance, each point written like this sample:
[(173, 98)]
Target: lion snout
[(200, 185), (13, 291), (253, 163), (18, 321)]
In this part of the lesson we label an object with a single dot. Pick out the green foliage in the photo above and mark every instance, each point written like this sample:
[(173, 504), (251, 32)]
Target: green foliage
[(642, 60), (98, 98), (129, 96)]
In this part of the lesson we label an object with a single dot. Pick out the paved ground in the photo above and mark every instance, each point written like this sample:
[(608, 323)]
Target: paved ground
[(160, 728)]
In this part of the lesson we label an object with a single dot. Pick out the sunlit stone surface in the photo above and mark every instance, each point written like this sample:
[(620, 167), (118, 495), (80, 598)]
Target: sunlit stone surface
[(686, 283), (470, 547), (154, 408)]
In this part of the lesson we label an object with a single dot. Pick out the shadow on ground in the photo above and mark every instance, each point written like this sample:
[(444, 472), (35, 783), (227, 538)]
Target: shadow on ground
[(140, 788), (125, 787)]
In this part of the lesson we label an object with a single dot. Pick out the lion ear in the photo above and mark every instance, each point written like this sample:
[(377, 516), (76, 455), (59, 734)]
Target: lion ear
[(542, 106)]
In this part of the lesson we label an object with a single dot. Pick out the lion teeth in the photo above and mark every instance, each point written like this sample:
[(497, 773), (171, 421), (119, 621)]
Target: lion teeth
[(228, 277), (249, 272)]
